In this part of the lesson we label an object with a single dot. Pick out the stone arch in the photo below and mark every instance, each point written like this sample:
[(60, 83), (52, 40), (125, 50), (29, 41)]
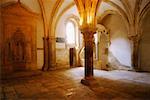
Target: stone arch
[(118, 35), (137, 38), (113, 12), (144, 43), (102, 46), (142, 15), (75, 20), (62, 47)]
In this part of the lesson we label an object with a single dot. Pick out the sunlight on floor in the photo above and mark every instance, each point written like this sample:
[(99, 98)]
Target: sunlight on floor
[(65, 85)]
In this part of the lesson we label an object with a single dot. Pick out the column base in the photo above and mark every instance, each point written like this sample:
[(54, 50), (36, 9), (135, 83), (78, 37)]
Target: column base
[(88, 81), (51, 68), (44, 67)]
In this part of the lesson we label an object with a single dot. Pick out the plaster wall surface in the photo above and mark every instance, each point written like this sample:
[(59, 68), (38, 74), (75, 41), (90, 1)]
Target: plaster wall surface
[(145, 44), (120, 45), (62, 51)]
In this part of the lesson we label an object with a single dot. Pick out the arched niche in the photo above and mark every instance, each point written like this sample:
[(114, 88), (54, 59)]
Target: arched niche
[(120, 50), (144, 46), (101, 46), (18, 38)]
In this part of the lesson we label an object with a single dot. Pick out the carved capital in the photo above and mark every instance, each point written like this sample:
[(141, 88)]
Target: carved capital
[(87, 29), (134, 38), (89, 37)]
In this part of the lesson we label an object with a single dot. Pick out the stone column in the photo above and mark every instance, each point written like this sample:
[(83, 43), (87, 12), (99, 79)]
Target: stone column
[(51, 53), (45, 47), (71, 56), (135, 52), (89, 43), (88, 40)]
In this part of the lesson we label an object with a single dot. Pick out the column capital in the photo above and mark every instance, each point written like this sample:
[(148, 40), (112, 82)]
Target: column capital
[(88, 30), (134, 38), (89, 37)]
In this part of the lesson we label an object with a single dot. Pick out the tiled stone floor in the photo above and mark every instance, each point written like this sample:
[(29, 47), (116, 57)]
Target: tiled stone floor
[(65, 85)]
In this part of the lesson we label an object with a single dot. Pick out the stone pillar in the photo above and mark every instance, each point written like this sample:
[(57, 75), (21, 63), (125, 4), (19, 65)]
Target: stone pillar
[(51, 53), (88, 40), (135, 52), (71, 56), (45, 46), (89, 43)]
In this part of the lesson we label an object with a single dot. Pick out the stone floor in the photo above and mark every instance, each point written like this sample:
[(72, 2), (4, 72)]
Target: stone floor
[(65, 85)]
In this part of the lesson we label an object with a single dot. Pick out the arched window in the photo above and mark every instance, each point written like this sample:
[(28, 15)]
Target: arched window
[(70, 34)]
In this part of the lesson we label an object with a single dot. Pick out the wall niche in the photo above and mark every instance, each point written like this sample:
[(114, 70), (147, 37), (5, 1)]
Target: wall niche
[(18, 38)]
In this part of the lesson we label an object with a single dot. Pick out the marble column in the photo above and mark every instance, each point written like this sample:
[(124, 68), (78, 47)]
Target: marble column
[(89, 43), (71, 60), (45, 46)]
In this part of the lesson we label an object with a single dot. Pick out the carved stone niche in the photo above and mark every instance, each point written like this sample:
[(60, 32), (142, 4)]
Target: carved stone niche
[(103, 45), (18, 39)]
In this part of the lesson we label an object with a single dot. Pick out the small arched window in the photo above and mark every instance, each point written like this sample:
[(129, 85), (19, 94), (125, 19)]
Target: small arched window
[(70, 34)]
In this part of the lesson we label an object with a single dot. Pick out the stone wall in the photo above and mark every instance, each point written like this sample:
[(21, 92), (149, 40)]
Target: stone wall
[(120, 45), (144, 48), (18, 39)]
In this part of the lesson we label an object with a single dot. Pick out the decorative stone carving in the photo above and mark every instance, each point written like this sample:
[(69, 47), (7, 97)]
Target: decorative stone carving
[(103, 45), (19, 47), (19, 38)]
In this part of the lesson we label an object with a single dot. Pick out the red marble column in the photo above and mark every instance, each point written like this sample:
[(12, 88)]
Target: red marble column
[(71, 60), (45, 47), (89, 43), (88, 40)]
